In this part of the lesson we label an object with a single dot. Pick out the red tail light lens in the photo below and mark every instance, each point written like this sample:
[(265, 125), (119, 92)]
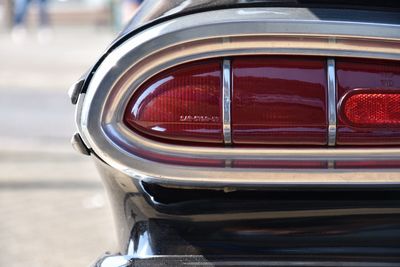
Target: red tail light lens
[(369, 102), (279, 101), (366, 108), (180, 104), (274, 101)]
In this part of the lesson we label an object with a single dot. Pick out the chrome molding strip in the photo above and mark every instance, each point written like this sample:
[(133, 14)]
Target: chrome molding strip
[(226, 101), (222, 34), (331, 75)]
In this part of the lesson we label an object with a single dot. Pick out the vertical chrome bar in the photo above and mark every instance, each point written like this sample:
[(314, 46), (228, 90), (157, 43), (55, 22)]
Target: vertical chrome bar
[(226, 101), (331, 164), (331, 101)]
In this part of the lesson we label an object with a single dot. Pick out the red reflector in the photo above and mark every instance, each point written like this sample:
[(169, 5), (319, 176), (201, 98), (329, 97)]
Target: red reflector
[(279, 101), (181, 104), (369, 106), (363, 108)]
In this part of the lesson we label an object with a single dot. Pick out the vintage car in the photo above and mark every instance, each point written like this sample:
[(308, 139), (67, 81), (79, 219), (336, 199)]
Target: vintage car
[(249, 133)]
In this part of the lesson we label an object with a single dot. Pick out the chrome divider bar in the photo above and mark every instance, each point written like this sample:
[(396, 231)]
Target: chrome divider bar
[(226, 101), (331, 74)]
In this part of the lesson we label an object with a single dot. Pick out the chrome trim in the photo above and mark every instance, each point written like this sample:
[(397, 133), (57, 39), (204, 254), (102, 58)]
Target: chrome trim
[(331, 164), (225, 33), (226, 101), (331, 75), (114, 261)]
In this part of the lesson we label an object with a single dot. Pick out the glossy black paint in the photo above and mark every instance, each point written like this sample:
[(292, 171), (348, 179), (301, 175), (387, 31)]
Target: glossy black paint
[(155, 9), (262, 225)]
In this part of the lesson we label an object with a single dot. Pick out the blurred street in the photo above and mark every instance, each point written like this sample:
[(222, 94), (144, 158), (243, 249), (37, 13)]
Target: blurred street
[(53, 208)]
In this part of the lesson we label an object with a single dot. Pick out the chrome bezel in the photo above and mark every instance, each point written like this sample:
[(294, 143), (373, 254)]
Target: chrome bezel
[(224, 33)]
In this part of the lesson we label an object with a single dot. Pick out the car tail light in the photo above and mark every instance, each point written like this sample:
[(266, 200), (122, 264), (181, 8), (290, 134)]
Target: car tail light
[(369, 102), (274, 101), (279, 101), (180, 104)]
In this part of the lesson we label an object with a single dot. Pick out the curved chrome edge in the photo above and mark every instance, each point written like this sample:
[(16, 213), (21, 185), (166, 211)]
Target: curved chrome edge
[(117, 260), (226, 101), (222, 34), (331, 72), (279, 178)]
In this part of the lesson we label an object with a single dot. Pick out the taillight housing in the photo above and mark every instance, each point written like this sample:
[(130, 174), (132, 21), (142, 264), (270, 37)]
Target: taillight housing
[(368, 102), (182, 104), (274, 100)]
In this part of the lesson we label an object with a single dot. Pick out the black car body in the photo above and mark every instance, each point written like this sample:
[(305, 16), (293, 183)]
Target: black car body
[(175, 212)]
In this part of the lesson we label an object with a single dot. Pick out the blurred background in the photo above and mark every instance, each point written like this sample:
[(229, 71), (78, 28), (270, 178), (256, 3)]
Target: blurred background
[(53, 210)]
